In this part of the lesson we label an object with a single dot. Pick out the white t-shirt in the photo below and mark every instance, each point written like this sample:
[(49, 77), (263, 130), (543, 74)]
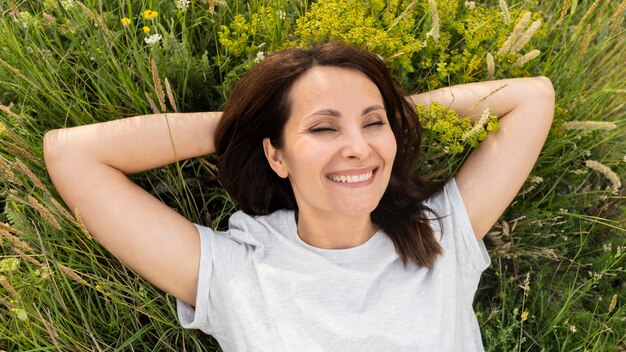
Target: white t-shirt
[(261, 288)]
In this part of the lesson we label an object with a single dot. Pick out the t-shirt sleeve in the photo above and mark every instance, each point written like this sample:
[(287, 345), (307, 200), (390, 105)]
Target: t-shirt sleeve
[(198, 317), (458, 237)]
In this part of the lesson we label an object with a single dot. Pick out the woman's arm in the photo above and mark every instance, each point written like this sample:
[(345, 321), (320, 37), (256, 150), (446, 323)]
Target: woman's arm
[(494, 173), (88, 166)]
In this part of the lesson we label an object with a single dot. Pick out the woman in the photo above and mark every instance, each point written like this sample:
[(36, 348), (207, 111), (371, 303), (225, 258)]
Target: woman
[(339, 247)]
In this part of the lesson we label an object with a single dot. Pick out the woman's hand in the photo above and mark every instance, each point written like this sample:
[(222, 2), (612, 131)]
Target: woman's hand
[(493, 174), (88, 166)]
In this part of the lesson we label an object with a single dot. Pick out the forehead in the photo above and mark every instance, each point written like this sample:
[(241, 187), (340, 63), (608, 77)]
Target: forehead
[(329, 87)]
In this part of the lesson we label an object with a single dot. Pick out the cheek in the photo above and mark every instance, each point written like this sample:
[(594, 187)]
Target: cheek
[(390, 147)]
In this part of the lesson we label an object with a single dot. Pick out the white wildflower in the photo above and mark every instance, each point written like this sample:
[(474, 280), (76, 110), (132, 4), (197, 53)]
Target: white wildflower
[(536, 179), (572, 328), (259, 57), (588, 125), (470, 5), (25, 19), (281, 14), (152, 39), (434, 16), (68, 4), (182, 5), (609, 174)]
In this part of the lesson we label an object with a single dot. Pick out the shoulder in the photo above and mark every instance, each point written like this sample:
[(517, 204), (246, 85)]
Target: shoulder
[(253, 230)]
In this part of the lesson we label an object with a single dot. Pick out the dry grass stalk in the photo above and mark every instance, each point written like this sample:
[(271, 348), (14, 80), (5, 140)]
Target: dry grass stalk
[(6, 304), (7, 286), (170, 95), (525, 38), (211, 6), (588, 125), (501, 239), (153, 106), (527, 57), (515, 34), (15, 241), (31, 176), (504, 8), (563, 12), (586, 40), (72, 273), (617, 18), (61, 209), (406, 11), (609, 174), (10, 133), (6, 227), (434, 15), (19, 151), (6, 172), (43, 212), (53, 334), (488, 95), (587, 14), (490, 67), (157, 85), (18, 73), (81, 224), (613, 303), (99, 20), (27, 257), (7, 110)]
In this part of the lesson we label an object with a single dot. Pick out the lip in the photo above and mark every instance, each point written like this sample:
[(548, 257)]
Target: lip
[(353, 172)]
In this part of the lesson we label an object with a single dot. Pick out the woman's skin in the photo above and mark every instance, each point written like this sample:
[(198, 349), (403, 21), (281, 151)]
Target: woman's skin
[(338, 128), (89, 167)]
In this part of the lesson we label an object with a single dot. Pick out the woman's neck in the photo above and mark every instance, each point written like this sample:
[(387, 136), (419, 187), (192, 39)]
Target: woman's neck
[(335, 232)]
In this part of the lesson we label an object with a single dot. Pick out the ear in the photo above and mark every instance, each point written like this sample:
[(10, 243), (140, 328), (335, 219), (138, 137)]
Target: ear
[(275, 158)]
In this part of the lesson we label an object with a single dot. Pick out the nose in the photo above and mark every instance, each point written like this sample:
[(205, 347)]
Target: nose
[(356, 145)]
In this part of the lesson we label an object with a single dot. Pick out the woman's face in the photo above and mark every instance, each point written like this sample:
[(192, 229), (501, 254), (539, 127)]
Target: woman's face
[(338, 148)]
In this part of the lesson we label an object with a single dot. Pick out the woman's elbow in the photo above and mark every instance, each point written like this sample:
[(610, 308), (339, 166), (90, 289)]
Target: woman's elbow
[(546, 88)]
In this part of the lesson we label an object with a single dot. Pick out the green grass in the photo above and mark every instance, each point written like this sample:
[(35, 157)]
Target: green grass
[(558, 253)]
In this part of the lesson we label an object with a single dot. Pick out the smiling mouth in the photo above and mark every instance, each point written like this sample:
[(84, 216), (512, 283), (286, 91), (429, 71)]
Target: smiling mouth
[(352, 178)]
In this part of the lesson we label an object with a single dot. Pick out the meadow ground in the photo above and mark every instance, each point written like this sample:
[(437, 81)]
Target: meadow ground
[(557, 281)]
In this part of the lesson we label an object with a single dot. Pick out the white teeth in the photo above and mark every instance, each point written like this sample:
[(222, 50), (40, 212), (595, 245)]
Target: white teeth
[(352, 178)]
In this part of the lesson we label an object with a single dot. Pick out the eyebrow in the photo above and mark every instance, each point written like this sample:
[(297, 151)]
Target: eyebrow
[(335, 113)]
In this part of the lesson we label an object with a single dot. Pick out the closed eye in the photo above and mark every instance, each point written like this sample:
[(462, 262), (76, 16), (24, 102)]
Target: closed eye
[(321, 129), (377, 123)]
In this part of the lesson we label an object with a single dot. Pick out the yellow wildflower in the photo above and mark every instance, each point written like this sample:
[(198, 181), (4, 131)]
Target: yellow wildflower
[(524, 315), (125, 21), (146, 29), (149, 14), (20, 313)]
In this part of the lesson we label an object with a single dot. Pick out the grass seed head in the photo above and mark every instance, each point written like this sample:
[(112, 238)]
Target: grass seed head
[(609, 174)]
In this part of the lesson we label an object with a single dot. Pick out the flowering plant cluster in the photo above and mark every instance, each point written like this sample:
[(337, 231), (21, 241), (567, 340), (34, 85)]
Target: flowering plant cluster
[(446, 133)]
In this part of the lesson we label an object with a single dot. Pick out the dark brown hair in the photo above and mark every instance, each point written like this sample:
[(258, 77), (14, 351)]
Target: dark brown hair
[(259, 107)]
